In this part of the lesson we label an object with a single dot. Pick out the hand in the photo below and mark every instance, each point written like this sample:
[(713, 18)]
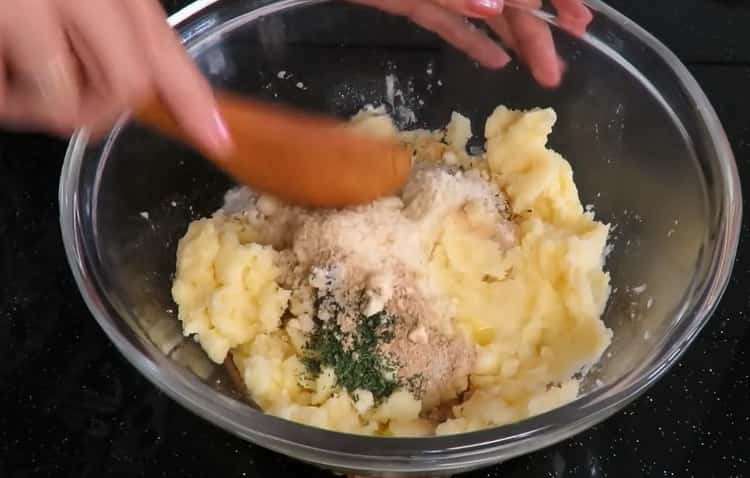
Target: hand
[(529, 37), (66, 64)]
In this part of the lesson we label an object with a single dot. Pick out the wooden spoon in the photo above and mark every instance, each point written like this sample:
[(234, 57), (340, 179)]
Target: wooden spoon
[(304, 159)]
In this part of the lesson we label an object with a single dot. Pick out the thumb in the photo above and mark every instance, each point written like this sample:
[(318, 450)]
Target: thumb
[(473, 8)]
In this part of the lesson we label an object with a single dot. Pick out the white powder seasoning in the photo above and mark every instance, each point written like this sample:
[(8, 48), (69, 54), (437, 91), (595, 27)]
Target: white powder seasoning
[(391, 233)]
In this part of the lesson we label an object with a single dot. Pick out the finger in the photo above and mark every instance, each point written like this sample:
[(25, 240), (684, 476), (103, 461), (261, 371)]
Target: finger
[(536, 46), (3, 79), (503, 30), (98, 112), (473, 8), (97, 109), (450, 27), (459, 33), (106, 47), (40, 66), (20, 114), (177, 80), (573, 15), (101, 115)]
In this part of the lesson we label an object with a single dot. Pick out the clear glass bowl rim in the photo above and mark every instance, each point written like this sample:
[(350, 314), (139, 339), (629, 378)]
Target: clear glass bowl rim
[(414, 455)]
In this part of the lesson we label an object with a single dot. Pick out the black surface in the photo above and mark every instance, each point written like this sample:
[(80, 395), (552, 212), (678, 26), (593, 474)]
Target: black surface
[(71, 406)]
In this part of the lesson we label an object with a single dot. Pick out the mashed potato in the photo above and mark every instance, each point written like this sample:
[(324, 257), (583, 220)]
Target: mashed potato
[(488, 267)]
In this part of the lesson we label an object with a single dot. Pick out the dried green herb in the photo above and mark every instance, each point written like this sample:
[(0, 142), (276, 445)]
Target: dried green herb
[(415, 384), (354, 357)]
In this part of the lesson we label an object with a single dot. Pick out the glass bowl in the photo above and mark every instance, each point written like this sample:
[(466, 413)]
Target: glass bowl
[(648, 151)]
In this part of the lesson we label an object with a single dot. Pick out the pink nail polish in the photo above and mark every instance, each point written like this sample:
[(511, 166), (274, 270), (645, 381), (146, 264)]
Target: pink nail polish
[(500, 60), (485, 8), (221, 138)]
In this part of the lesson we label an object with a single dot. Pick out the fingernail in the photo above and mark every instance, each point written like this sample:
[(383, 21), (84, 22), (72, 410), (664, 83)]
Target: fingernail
[(220, 137), (548, 73), (485, 8), (582, 14), (498, 60), (572, 25)]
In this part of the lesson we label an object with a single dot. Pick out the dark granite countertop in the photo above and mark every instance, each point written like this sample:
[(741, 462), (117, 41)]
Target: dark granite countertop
[(71, 406)]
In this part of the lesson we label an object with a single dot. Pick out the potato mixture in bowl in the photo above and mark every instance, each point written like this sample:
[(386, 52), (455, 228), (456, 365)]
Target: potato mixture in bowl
[(471, 300)]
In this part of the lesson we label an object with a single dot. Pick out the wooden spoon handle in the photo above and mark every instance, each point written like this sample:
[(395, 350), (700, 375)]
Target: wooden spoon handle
[(301, 158)]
